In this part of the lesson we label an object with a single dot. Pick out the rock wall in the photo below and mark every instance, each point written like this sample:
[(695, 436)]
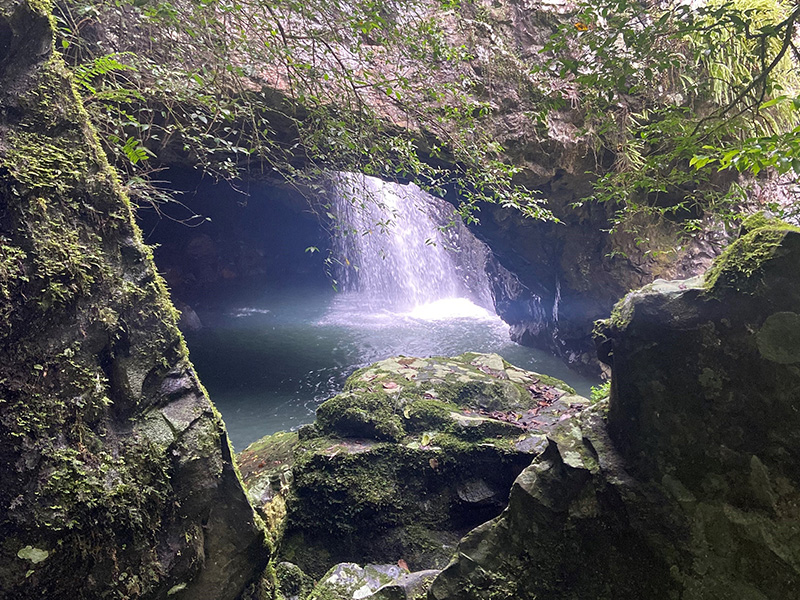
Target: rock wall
[(117, 479), (570, 274), (687, 486)]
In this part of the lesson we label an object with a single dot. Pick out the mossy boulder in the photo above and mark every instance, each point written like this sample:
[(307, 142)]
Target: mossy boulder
[(471, 396), (720, 349), (413, 454), (117, 475), (688, 486)]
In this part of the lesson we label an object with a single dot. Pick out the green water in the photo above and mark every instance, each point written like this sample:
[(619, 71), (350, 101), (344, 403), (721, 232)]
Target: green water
[(268, 362)]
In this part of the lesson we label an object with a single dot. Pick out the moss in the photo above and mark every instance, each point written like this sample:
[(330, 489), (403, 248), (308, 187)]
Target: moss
[(621, 314), (278, 447), (292, 581), (41, 163), (425, 415), (491, 395), (371, 415), (738, 268), (266, 586), (403, 490), (759, 220), (88, 336), (458, 446)]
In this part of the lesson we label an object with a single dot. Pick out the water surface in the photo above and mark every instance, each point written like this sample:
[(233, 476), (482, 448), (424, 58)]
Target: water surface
[(269, 361)]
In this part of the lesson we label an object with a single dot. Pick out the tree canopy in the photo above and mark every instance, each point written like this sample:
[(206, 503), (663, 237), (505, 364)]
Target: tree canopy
[(675, 97)]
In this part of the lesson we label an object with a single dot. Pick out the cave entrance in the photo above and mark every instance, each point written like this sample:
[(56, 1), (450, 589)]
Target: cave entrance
[(274, 328)]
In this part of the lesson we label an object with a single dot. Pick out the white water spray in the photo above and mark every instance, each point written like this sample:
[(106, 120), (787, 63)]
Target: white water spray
[(401, 250)]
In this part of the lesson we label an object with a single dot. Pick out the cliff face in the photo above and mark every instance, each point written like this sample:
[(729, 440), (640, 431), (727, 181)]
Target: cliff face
[(117, 480), (686, 486)]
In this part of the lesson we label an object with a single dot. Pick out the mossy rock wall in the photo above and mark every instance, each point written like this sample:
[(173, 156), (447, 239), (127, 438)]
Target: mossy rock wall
[(117, 478), (687, 485)]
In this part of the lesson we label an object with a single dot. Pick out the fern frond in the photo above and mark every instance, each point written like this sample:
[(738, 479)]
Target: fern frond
[(86, 73)]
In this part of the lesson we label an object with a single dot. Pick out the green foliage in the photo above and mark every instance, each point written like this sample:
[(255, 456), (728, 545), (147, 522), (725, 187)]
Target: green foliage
[(86, 73), (600, 392), (291, 88), (675, 94), (740, 51)]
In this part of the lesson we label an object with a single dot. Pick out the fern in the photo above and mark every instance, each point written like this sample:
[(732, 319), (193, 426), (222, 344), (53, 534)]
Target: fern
[(86, 73), (132, 149), (732, 59)]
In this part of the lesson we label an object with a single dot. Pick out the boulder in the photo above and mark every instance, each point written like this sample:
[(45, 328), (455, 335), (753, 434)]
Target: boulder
[(685, 483), (348, 581), (572, 529), (412, 455), (409, 586)]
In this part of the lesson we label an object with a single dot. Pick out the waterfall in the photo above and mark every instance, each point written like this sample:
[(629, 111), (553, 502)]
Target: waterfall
[(403, 250)]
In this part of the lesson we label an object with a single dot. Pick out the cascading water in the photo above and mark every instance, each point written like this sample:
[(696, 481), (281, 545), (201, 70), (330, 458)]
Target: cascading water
[(403, 250)]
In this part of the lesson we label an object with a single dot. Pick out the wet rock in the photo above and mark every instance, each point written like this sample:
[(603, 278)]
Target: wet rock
[(409, 586), (189, 320), (349, 581), (475, 491)]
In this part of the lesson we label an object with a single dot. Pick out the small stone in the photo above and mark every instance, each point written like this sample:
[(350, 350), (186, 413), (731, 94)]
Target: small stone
[(475, 491)]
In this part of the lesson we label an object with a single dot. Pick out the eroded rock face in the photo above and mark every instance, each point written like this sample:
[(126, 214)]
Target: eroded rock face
[(413, 454), (117, 480), (572, 529), (690, 488), (573, 272)]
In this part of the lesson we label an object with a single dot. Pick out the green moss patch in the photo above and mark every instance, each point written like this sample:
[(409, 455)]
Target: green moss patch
[(412, 454), (366, 414), (740, 266)]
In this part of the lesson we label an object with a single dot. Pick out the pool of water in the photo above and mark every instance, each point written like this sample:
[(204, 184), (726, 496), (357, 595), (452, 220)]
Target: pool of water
[(269, 361)]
